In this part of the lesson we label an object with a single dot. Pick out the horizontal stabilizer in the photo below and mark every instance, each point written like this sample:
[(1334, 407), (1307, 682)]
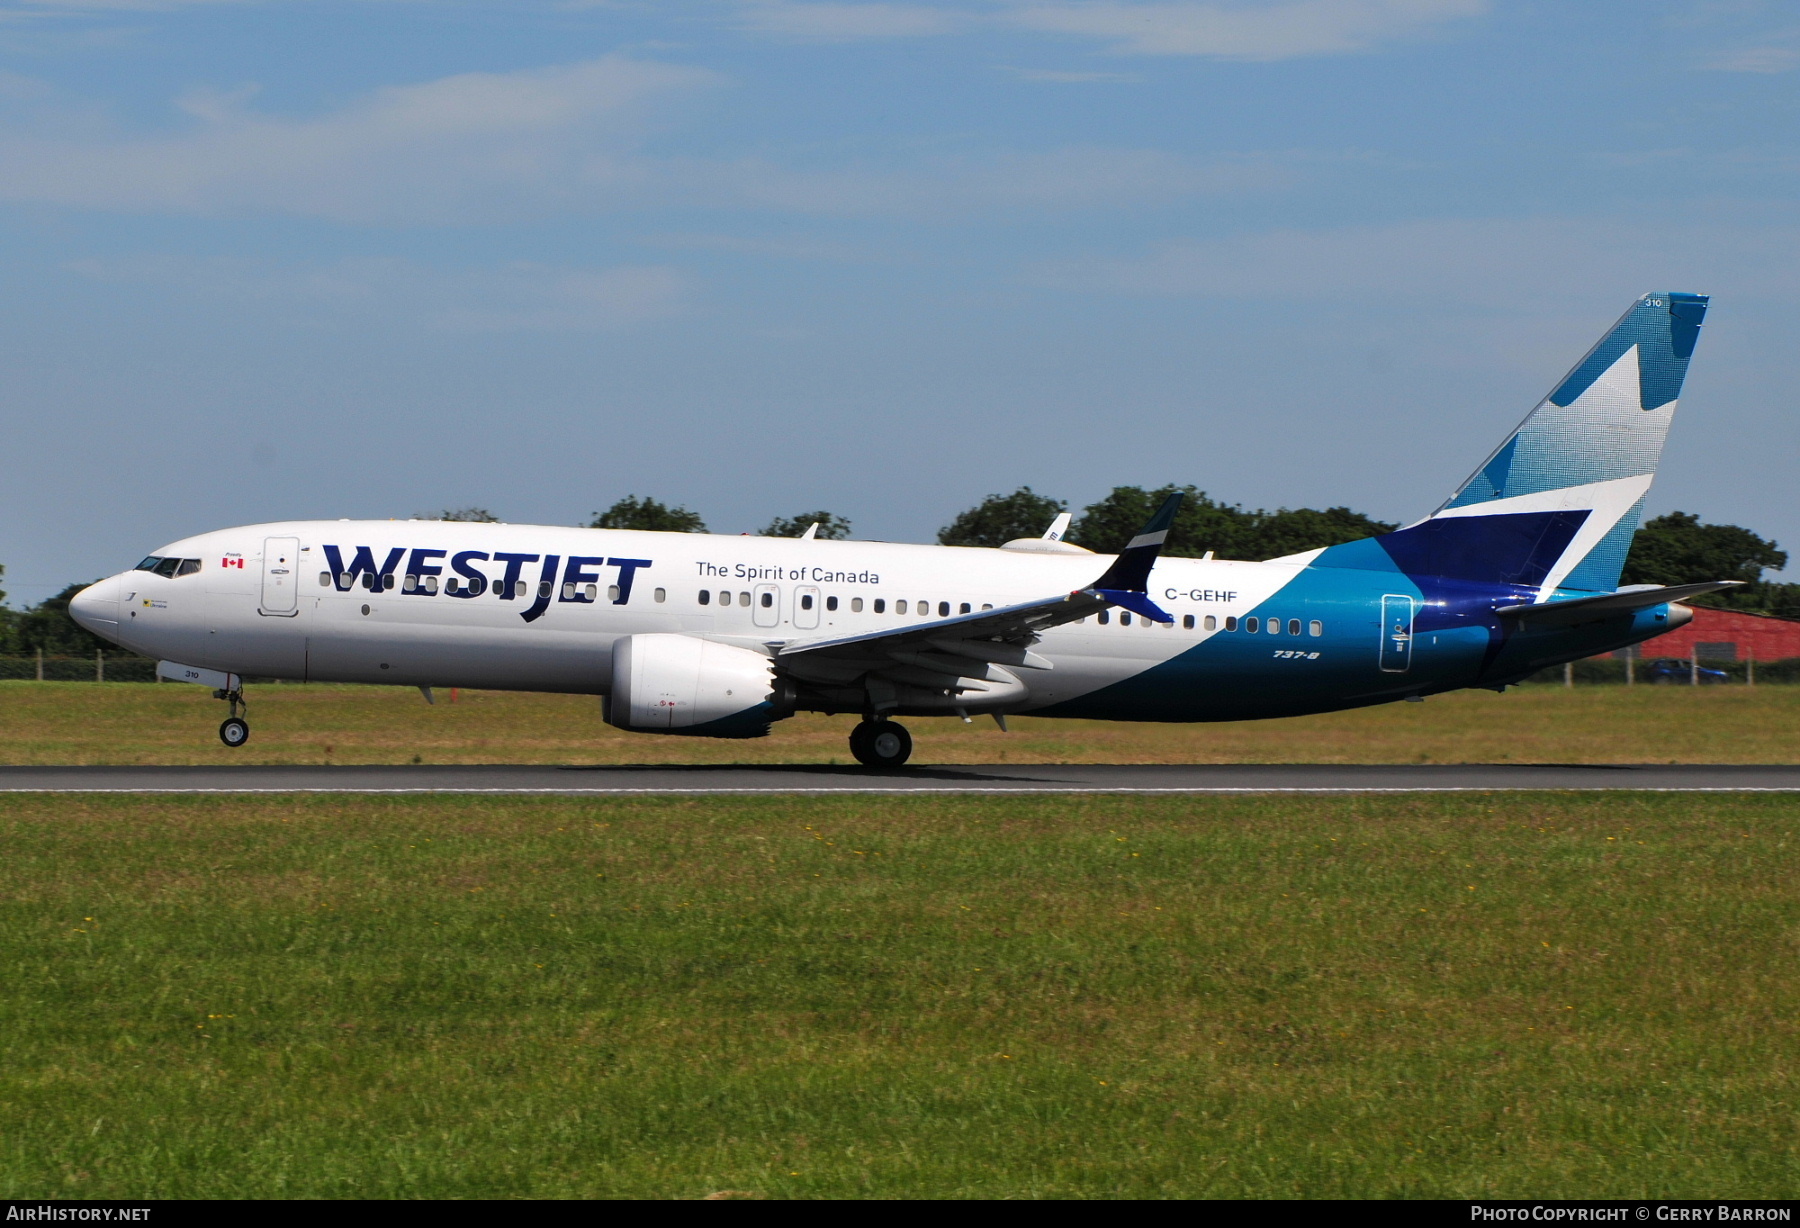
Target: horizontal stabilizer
[(1608, 605)]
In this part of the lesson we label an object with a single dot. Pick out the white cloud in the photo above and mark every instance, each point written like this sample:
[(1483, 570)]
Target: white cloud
[(1471, 261), (844, 23), (516, 297), (1267, 31), (1062, 179), (467, 147), (1756, 59), (1062, 77)]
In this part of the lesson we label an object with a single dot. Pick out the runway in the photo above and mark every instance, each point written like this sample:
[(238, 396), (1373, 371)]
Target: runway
[(627, 780)]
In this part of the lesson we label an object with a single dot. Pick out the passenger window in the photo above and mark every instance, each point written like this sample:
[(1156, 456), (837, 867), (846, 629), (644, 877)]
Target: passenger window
[(1211, 624), (324, 579), (1187, 622), (856, 605), (1124, 620), (188, 567), (988, 605), (744, 599), (880, 605), (661, 594), (768, 599), (543, 588), (452, 586), (520, 588), (830, 603), (591, 592), (1293, 626), (431, 585), (805, 601), (1104, 617), (410, 584), (612, 593), (387, 583), (368, 582), (924, 607), (900, 607), (705, 596), (943, 609), (1274, 626), (1231, 623), (1252, 625), (568, 592), (1315, 628), (964, 607)]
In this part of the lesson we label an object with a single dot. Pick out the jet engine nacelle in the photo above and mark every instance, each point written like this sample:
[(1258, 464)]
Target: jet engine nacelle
[(663, 683)]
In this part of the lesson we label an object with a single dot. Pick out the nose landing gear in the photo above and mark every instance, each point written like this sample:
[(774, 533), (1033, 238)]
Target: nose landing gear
[(881, 744), (234, 730)]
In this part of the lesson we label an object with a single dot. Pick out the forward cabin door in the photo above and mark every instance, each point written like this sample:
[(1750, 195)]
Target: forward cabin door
[(1396, 633), (281, 577)]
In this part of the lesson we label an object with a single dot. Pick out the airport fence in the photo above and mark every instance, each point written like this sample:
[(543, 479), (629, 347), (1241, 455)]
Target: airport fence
[(101, 667), (1669, 671)]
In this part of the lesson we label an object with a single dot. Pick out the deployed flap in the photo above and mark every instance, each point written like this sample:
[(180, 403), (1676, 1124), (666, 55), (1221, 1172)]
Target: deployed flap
[(1608, 605)]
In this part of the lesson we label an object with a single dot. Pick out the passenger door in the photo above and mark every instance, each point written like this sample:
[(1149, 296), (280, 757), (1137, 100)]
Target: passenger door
[(281, 577)]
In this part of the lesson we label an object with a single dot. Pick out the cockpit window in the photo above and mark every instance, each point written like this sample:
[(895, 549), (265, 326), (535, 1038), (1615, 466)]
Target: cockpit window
[(169, 568)]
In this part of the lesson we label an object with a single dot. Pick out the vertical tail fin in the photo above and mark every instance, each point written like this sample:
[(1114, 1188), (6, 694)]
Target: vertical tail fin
[(1556, 504)]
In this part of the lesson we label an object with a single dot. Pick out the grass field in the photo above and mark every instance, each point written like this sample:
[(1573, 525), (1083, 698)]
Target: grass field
[(73, 722), (1529, 995)]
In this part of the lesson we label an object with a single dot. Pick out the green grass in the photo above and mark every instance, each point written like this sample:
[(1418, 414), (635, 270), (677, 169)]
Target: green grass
[(73, 722), (1460, 996)]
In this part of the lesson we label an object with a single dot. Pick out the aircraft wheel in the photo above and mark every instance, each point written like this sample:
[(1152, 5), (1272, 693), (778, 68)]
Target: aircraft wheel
[(234, 732), (881, 744)]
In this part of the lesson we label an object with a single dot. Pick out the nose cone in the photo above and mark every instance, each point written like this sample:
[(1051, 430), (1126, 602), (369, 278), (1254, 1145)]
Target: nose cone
[(96, 607)]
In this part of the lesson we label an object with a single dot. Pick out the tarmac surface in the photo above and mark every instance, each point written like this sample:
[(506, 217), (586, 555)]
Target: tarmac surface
[(925, 778)]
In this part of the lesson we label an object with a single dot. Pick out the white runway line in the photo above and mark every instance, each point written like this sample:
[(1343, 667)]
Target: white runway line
[(902, 790)]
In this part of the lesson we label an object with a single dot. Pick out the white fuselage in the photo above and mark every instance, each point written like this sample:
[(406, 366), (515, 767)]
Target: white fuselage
[(250, 608)]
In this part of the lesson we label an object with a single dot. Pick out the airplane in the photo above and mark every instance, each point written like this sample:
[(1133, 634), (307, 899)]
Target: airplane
[(715, 636)]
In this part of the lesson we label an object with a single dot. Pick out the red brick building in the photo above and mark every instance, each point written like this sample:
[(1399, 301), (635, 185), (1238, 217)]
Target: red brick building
[(1727, 635)]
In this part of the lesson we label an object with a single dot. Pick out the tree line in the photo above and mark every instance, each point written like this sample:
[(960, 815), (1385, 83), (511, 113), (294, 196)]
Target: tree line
[(1678, 548)]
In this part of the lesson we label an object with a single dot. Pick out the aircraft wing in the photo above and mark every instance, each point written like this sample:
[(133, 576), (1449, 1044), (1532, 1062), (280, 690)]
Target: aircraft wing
[(1608, 605), (953, 653)]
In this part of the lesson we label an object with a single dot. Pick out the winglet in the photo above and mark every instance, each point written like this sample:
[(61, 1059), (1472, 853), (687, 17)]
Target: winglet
[(1124, 583)]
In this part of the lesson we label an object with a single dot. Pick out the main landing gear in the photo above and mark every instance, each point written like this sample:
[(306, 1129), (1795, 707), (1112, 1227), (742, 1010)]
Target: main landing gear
[(234, 731), (881, 744)]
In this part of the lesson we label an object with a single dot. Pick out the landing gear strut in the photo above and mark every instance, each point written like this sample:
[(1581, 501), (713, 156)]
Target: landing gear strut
[(881, 744), (234, 731)]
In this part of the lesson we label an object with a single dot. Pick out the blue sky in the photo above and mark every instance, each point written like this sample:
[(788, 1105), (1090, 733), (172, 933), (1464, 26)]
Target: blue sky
[(321, 259)]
